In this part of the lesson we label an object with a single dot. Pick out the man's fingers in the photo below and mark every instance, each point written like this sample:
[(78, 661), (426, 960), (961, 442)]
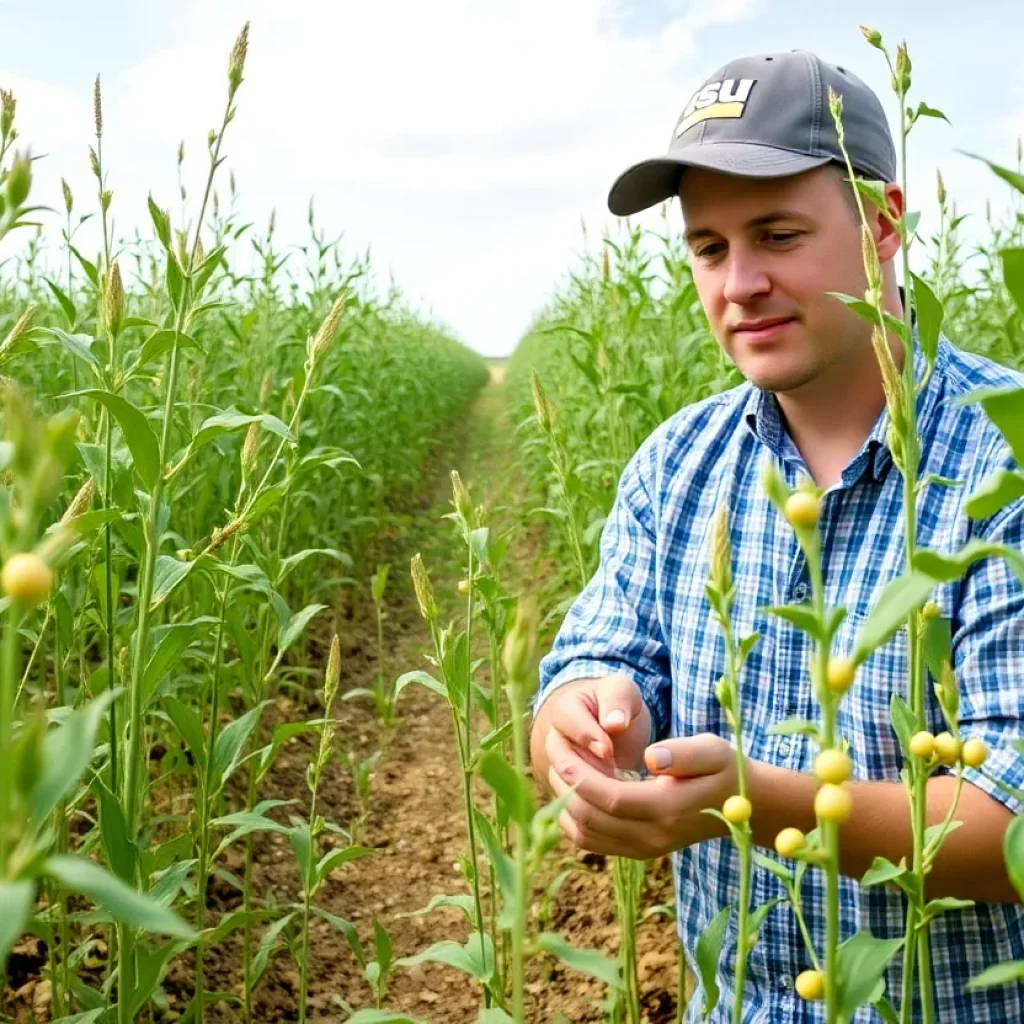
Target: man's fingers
[(574, 715), (562, 753), (687, 756), (592, 820), (618, 703)]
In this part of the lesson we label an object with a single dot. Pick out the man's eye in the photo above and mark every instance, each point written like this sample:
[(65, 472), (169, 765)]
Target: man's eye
[(782, 236), (709, 251)]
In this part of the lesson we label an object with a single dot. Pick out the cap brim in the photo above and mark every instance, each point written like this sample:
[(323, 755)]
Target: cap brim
[(653, 181)]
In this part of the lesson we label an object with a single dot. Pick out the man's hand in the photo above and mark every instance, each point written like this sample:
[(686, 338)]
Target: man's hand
[(653, 817), (602, 722)]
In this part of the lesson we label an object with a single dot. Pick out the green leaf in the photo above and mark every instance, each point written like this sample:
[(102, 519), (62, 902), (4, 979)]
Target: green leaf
[(268, 944), (187, 722), (232, 420), (881, 872), (801, 616), (1013, 274), (244, 823), (231, 740), (289, 563), (591, 962), (897, 601), (886, 1010), (168, 575), (462, 901), (1013, 853), (149, 971), (346, 929), (946, 568), (335, 859), (1005, 408), (65, 303), (861, 965), (137, 433), (780, 871), (68, 751), (382, 944), (495, 1015), (994, 492), (121, 902), (709, 955), (381, 1017), (16, 902), (466, 958), (161, 222), (122, 854), (296, 625), (939, 906), (170, 642), (794, 727), (929, 317), (424, 679), (77, 344), (938, 645), (504, 869), (1009, 973), (758, 916), (159, 343), (904, 722), (511, 789)]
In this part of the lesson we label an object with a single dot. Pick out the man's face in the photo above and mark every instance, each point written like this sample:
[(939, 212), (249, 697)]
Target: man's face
[(764, 252)]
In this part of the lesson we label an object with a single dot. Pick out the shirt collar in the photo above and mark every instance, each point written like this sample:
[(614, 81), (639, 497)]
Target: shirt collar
[(763, 418)]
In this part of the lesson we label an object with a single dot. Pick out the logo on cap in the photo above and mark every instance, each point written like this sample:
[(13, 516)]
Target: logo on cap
[(716, 99)]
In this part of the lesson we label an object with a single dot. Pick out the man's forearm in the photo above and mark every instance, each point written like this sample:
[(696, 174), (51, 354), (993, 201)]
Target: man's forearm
[(970, 864)]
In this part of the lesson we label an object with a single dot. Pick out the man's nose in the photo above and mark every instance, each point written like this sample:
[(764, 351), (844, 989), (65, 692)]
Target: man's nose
[(745, 278)]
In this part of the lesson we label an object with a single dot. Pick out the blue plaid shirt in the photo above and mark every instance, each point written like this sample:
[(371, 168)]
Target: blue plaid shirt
[(644, 613)]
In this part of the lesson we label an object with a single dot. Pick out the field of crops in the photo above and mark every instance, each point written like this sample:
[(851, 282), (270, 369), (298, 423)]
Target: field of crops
[(279, 559)]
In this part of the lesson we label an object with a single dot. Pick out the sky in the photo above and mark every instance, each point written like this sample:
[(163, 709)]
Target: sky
[(465, 142)]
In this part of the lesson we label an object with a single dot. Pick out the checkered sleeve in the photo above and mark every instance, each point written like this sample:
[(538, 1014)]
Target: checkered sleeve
[(988, 657), (612, 626)]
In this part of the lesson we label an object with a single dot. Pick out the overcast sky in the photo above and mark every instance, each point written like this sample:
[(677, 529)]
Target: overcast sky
[(464, 140)]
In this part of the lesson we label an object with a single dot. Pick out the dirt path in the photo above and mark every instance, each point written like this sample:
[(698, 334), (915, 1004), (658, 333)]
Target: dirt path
[(416, 815)]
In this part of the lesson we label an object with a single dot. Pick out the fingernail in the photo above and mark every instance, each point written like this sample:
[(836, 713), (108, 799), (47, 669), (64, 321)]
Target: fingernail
[(661, 756), (597, 748), (616, 717)]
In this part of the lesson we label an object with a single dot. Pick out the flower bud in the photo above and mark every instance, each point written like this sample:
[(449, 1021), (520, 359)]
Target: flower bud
[(8, 105), (940, 187), (519, 644), (721, 552), (872, 35), (903, 68), (18, 182)]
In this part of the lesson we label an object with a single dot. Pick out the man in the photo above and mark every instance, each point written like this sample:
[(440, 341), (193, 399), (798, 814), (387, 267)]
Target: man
[(771, 229)]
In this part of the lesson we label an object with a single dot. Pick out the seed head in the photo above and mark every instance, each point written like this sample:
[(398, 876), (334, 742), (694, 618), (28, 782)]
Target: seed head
[(236, 62), (223, 534), (333, 675), (8, 105), (250, 448), (80, 503), (19, 329), (424, 591), (835, 106), (122, 662), (69, 199), (321, 341), (113, 301), (545, 414), (266, 387), (97, 108), (463, 504), (872, 267), (721, 552), (181, 152), (940, 187), (94, 162)]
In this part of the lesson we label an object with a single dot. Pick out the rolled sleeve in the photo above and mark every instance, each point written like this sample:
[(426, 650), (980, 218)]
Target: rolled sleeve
[(612, 627), (988, 658)]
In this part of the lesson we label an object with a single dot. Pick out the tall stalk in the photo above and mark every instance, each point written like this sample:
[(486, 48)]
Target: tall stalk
[(151, 537)]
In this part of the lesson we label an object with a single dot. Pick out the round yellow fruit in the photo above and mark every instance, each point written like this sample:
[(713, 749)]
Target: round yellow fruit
[(922, 744), (463, 587), (26, 578), (810, 985), (931, 611), (841, 673), (803, 510), (789, 841), (947, 748), (833, 803), (974, 752), (737, 810), (833, 766)]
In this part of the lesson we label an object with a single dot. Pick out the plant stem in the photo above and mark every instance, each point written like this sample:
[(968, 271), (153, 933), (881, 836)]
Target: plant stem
[(516, 702)]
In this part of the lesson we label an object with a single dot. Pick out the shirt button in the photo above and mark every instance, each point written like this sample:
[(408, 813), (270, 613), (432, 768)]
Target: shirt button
[(785, 747), (785, 981), (800, 592)]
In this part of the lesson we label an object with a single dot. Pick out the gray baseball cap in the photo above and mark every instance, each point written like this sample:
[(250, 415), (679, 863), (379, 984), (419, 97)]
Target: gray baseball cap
[(765, 117)]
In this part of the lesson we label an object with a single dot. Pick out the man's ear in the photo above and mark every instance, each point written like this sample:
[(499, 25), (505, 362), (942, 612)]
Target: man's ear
[(887, 238)]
